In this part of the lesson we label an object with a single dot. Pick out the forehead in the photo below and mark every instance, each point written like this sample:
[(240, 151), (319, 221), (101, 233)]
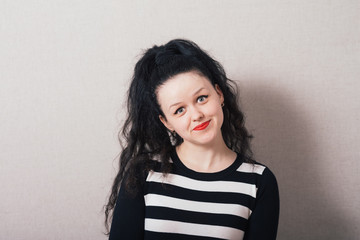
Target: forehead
[(183, 85)]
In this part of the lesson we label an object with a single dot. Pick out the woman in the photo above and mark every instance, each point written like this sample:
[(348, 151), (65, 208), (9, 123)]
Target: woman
[(186, 170)]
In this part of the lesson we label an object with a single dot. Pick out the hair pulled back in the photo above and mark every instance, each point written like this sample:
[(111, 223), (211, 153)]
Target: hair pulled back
[(143, 136)]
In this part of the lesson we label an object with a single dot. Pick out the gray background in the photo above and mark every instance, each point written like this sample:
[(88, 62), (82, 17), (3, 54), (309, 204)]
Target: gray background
[(65, 67)]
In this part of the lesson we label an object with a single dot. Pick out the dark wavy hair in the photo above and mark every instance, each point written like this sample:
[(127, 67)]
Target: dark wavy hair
[(143, 136)]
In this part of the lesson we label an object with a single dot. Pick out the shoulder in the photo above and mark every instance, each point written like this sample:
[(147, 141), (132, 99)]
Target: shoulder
[(266, 182), (267, 175), (263, 175)]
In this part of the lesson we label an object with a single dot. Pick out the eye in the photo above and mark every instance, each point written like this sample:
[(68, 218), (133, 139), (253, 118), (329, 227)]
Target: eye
[(179, 110), (202, 98)]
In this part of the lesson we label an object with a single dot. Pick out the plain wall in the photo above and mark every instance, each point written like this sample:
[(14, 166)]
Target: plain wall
[(65, 68)]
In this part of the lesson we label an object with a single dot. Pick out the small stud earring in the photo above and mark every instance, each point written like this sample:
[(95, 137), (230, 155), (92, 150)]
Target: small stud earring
[(223, 104)]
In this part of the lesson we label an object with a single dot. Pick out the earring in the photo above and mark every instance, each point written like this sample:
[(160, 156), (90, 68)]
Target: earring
[(223, 104)]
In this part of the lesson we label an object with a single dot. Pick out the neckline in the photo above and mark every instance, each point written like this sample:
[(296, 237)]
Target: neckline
[(204, 175)]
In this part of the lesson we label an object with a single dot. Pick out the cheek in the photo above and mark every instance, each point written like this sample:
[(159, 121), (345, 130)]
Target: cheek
[(218, 112), (215, 109), (179, 124)]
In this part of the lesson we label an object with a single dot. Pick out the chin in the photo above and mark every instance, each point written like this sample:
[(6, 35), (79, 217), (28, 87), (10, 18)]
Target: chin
[(206, 140)]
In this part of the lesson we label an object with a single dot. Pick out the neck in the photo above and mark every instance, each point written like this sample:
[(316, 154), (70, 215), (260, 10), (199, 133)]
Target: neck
[(206, 158)]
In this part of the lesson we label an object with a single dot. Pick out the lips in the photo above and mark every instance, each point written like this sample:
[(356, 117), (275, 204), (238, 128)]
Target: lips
[(202, 126)]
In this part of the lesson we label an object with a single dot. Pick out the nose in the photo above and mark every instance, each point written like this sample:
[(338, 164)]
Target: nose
[(196, 114)]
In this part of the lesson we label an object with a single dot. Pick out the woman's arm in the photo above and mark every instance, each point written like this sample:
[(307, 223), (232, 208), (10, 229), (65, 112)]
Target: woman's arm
[(263, 222), (128, 217)]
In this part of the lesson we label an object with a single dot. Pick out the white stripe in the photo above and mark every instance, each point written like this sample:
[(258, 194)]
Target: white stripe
[(251, 168), (193, 229), (209, 186), (204, 207)]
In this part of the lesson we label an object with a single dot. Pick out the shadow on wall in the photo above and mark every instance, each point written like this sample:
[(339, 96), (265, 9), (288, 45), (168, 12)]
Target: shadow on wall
[(286, 141)]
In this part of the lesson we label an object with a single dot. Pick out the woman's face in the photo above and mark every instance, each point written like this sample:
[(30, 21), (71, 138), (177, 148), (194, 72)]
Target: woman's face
[(192, 107)]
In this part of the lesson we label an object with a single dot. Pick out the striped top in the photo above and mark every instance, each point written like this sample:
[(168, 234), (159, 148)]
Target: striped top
[(240, 202)]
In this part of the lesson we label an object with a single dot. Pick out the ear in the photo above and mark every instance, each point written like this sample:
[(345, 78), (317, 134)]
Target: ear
[(166, 124), (219, 92)]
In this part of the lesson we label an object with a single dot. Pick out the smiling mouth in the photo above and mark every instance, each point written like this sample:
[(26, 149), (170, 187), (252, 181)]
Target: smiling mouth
[(202, 126)]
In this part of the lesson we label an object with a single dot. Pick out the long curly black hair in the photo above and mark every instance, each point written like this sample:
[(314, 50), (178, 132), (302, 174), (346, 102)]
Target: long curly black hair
[(143, 136)]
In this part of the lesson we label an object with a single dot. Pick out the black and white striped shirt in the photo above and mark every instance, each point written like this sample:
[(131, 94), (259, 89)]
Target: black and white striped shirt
[(240, 202)]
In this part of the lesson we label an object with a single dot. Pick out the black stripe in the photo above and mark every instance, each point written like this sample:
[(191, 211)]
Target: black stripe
[(149, 235), (200, 196), (224, 220), (243, 177), (235, 176)]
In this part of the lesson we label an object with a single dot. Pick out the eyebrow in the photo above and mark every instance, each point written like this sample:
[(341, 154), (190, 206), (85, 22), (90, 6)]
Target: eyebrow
[(196, 92)]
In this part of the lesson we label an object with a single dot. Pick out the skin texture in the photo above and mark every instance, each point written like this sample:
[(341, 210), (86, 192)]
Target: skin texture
[(192, 108)]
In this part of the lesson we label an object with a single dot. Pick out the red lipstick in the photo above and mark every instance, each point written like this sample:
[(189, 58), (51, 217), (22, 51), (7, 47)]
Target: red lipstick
[(202, 126)]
